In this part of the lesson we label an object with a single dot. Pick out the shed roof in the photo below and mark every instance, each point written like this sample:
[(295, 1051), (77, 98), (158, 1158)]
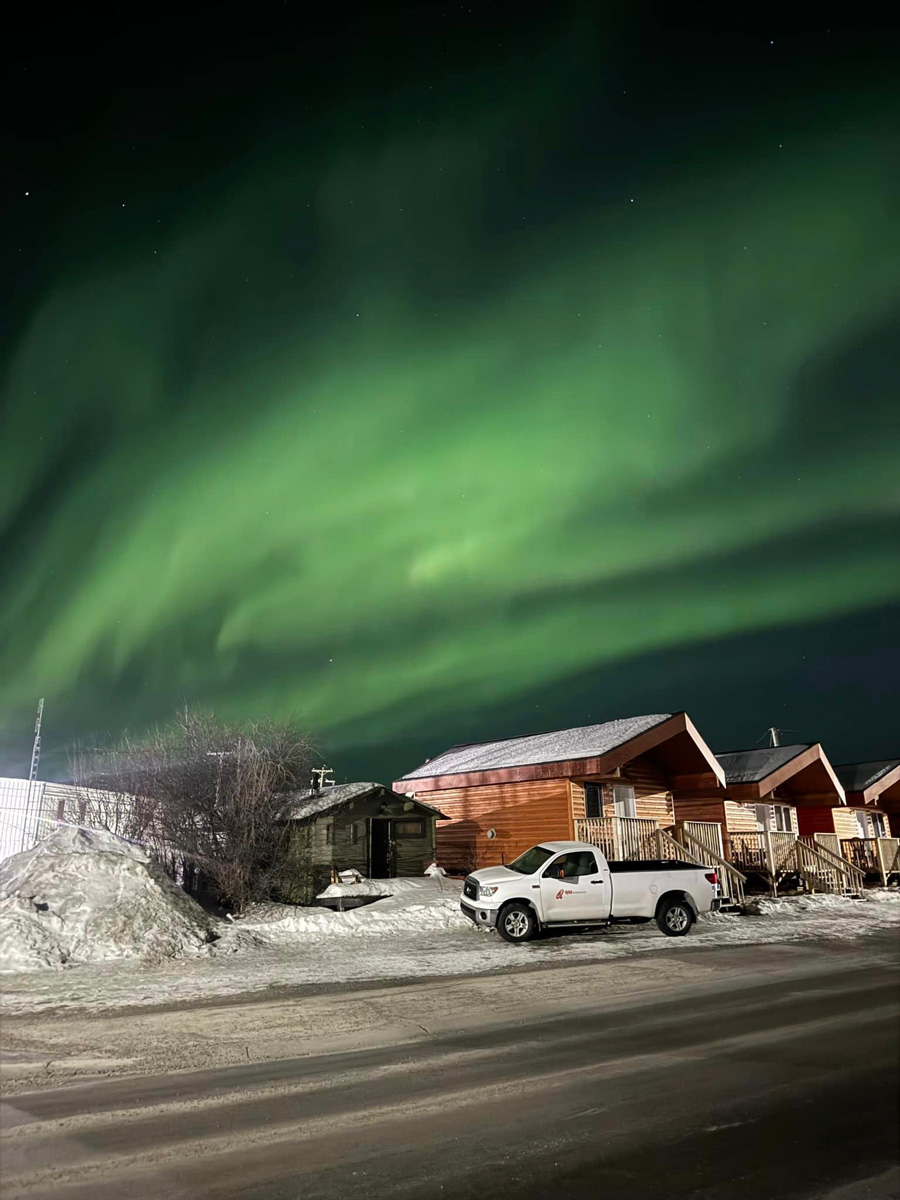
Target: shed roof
[(310, 803), (584, 741), (856, 777), (752, 766)]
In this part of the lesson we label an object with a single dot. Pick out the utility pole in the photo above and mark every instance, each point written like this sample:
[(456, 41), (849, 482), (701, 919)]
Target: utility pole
[(320, 778), (36, 748), (773, 736)]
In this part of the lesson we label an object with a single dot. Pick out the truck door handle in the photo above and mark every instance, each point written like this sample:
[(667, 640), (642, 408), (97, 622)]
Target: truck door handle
[(536, 886), (596, 881)]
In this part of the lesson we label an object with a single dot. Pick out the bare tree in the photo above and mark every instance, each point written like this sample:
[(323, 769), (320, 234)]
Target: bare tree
[(204, 795)]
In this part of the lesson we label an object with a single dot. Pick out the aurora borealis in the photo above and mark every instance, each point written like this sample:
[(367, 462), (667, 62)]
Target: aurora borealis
[(495, 377)]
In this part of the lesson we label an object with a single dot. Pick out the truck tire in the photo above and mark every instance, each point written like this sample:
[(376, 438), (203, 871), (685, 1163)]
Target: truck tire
[(675, 918), (516, 922)]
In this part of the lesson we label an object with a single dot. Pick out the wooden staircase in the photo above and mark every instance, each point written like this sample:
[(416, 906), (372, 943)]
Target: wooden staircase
[(785, 862)]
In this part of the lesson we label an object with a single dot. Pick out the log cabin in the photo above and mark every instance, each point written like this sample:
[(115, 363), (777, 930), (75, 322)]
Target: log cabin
[(361, 826), (612, 784), (766, 788)]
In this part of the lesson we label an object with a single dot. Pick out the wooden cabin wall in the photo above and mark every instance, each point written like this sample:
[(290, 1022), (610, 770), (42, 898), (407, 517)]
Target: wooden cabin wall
[(521, 813), (700, 809), (414, 854), (821, 819), (740, 818), (652, 798)]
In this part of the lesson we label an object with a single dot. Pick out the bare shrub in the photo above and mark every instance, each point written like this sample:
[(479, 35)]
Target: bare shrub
[(203, 795)]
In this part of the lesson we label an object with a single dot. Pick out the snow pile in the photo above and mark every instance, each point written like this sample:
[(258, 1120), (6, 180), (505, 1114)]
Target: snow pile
[(85, 895), (408, 907)]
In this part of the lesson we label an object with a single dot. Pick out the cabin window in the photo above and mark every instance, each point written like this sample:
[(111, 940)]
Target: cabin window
[(354, 833), (862, 824), (593, 800), (878, 826), (409, 829), (623, 799), (781, 814), (329, 834), (774, 817)]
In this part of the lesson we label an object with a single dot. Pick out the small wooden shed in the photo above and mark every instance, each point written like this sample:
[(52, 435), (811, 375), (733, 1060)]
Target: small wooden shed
[(362, 826)]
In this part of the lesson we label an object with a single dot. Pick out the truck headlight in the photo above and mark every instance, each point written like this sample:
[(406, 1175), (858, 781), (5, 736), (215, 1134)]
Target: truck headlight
[(485, 893)]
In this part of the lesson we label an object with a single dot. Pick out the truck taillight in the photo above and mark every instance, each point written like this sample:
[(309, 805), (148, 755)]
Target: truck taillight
[(712, 877)]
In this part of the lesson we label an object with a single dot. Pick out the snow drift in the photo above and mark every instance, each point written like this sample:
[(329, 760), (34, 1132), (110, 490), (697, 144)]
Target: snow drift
[(85, 896)]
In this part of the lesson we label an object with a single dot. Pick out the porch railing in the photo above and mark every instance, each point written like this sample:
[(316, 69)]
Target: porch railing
[(731, 881), (850, 877), (640, 837), (873, 856), (764, 853), (707, 833), (830, 841), (620, 837)]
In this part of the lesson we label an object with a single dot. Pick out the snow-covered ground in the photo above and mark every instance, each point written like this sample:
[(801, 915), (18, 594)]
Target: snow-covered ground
[(416, 933)]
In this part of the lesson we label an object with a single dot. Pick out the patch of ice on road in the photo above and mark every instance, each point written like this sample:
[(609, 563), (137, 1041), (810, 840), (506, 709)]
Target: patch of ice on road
[(86, 896)]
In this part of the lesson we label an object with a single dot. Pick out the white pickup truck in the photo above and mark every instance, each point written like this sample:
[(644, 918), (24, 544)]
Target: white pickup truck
[(571, 883)]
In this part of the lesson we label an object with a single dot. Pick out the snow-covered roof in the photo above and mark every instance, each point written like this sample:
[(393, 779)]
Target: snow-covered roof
[(751, 766), (311, 802), (560, 745)]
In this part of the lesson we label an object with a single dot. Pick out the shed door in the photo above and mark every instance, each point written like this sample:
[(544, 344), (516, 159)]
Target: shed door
[(381, 843)]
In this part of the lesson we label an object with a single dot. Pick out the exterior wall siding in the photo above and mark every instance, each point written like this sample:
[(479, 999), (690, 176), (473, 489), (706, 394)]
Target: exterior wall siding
[(740, 818), (521, 813)]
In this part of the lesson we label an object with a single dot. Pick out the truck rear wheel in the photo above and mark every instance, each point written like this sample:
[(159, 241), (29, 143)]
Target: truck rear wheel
[(675, 918), (516, 922)]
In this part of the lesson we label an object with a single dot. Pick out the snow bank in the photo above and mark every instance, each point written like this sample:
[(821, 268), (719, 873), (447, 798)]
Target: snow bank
[(407, 907), (85, 896)]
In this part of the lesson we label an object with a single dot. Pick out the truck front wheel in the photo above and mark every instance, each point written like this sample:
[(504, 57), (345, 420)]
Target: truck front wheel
[(675, 918), (516, 922)]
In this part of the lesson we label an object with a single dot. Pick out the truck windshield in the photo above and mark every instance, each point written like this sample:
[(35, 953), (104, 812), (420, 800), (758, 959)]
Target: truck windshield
[(532, 860)]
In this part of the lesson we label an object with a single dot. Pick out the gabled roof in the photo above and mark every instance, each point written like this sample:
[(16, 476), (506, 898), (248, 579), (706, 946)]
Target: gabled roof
[(752, 766), (583, 752), (584, 741), (872, 782), (802, 771), (310, 803), (856, 777)]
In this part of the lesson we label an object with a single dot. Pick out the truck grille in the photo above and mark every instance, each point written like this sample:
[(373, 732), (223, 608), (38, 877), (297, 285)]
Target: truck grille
[(470, 889)]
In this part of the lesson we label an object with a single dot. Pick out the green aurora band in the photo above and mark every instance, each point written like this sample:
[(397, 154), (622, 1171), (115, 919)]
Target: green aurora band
[(345, 452)]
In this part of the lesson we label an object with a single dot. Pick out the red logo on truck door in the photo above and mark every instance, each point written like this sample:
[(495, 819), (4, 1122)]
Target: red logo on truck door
[(563, 892)]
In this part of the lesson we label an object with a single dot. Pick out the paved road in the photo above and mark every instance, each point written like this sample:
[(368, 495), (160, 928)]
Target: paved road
[(783, 1088)]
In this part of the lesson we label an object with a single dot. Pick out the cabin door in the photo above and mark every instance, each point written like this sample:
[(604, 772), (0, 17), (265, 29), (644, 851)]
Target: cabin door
[(381, 843)]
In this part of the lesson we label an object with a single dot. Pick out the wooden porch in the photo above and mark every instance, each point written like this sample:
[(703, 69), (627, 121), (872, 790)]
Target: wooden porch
[(878, 857), (630, 838), (786, 861)]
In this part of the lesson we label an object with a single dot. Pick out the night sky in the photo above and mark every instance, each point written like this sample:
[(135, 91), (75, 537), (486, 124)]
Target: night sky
[(446, 373)]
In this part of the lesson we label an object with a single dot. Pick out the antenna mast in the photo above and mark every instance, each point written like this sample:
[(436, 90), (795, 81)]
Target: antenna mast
[(36, 748), (773, 736)]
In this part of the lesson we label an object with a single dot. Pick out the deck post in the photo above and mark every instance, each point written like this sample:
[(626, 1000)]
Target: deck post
[(770, 860), (882, 867)]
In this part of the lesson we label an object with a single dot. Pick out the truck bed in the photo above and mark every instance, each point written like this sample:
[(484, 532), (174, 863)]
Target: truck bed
[(627, 866)]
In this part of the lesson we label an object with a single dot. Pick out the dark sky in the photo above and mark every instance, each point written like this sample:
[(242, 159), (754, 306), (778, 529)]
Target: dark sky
[(441, 373)]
